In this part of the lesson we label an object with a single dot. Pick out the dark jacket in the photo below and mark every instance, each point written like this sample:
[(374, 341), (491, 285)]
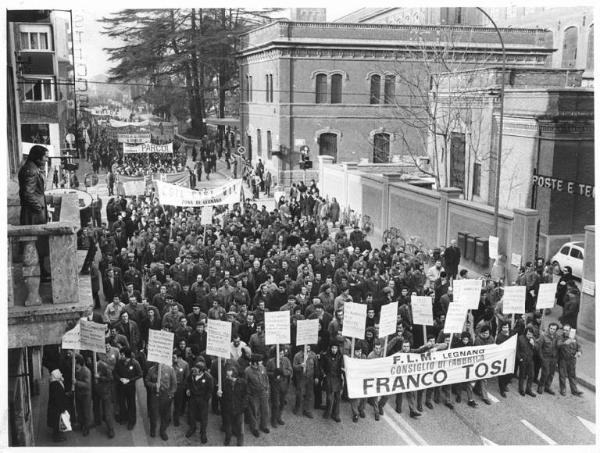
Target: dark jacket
[(201, 389), (525, 350), (235, 396), (34, 210), (57, 404), (331, 367)]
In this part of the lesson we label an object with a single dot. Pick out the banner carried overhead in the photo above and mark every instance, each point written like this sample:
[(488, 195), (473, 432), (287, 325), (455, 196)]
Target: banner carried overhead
[(133, 138), (172, 195), (145, 148), (402, 372)]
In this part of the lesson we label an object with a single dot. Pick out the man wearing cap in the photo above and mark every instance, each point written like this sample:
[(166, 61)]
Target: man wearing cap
[(161, 385), (199, 390), (258, 393)]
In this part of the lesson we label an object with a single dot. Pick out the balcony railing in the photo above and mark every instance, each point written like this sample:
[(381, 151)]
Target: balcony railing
[(44, 308)]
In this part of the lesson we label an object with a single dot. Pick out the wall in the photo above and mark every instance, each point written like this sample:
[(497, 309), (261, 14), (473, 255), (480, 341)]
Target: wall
[(433, 217), (587, 312)]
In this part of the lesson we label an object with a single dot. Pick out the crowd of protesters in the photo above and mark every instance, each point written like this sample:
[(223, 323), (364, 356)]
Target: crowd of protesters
[(161, 269)]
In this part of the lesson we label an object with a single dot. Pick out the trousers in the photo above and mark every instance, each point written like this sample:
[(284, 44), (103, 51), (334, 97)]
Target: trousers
[(127, 409), (566, 371), (548, 370), (159, 410), (526, 373), (198, 409), (410, 399), (305, 395), (258, 413)]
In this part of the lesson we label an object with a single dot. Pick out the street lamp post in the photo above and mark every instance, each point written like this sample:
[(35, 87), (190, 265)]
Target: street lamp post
[(501, 125)]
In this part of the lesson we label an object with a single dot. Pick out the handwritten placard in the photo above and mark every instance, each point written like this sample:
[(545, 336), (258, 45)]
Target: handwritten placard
[(307, 332), (388, 319), (422, 310), (515, 260), (93, 336), (218, 338), (493, 247), (277, 327), (71, 339), (455, 318), (468, 292), (160, 346), (355, 319), (514, 299), (546, 296)]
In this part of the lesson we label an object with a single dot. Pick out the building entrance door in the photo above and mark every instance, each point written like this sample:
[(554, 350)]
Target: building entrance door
[(328, 145)]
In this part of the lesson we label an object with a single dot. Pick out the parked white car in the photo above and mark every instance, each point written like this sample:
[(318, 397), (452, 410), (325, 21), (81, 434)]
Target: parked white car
[(570, 254)]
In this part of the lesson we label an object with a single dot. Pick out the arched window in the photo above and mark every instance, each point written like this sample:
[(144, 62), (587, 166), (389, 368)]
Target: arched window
[(589, 62), (336, 89), (389, 89), (328, 145), (381, 148), (569, 56), (321, 89), (375, 89)]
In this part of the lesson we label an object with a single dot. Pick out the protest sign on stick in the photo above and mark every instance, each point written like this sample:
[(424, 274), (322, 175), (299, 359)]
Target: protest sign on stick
[(160, 346), (92, 336)]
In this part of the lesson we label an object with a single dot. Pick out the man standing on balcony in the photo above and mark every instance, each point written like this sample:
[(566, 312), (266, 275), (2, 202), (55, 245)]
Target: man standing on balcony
[(34, 210)]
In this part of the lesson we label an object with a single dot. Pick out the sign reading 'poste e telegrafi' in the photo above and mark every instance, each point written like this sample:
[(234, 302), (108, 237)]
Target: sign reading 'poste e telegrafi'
[(561, 185)]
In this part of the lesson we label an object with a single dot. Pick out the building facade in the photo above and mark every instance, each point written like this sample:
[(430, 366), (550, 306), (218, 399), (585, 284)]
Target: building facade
[(572, 27), (547, 160), (339, 89), (40, 62)]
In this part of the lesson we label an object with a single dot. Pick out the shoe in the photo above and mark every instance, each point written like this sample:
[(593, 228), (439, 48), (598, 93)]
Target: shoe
[(130, 426), (337, 419), (204, 440), (486, 401), (398, 410), (152, 433), (550, 391), (449, 405), (255, 433), (164, 436), (376, 416), (530, 393), (295, 410), (563, 393), (111, 433), (419, 408), (227, 442), (274, 424), (540, 391), (522, 392), (458, 399), (190, 433), (502, 393), (380, 410), (85, 431), (429, 405), (578, 393), (308, 414), (265, 430), (355, 418), (415, 414), (60, 437), (280, 422), (361, 414), (472, 403), (436, 400)]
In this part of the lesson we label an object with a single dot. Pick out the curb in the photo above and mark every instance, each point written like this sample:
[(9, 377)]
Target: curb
[(587, 383)]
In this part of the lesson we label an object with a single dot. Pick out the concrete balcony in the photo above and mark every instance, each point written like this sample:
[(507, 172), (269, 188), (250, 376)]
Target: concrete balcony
[(38, 312)]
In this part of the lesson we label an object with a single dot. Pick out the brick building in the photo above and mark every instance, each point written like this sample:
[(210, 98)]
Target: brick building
[(548, 132), (572, 27), (336, 87)]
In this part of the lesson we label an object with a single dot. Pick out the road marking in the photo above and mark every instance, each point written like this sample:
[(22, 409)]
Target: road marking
[(588, 424), (487, 441), (538, 433), (390, 413), (401, 433), (492, 398)]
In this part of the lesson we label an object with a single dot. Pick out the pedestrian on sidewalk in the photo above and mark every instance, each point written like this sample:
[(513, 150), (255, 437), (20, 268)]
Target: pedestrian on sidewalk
[(57, 404)]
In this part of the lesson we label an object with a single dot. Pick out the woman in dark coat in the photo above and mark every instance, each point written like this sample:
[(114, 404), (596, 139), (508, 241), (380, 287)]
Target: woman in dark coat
[(57, 404)]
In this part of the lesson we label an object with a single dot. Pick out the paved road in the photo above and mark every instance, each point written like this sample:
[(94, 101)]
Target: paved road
[(516, 420)]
